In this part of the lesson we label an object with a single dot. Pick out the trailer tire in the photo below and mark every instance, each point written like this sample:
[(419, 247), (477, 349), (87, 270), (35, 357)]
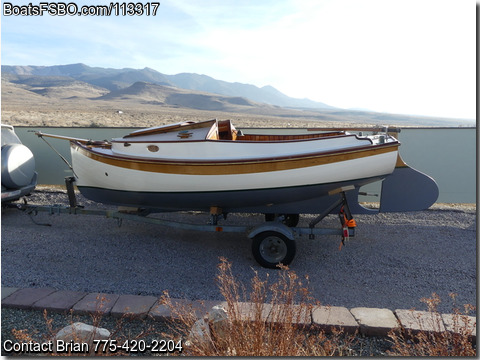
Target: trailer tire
[(271, 248)]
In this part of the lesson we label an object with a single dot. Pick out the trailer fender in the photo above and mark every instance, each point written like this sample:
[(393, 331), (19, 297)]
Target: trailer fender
[(273, 226)]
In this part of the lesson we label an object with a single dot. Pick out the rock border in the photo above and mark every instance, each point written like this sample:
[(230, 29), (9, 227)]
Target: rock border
[(367, 321)]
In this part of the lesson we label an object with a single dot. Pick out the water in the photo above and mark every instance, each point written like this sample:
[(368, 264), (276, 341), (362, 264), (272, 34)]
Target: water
[(51, 169), (446, 154)]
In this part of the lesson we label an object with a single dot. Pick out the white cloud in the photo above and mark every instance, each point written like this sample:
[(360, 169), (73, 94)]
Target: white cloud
[(406, 57)]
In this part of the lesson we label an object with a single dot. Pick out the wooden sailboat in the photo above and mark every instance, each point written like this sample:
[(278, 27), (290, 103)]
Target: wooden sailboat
[(200, 165)]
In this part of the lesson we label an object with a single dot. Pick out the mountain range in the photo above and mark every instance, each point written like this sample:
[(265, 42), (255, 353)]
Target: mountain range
[(81, 86), (116, 80)]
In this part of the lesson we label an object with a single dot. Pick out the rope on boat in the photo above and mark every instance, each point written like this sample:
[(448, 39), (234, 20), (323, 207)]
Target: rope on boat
[(30, 212), (58, 153)]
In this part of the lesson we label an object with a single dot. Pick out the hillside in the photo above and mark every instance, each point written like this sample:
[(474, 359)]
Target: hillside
[(116, 79), (148, 93), (56, 87)]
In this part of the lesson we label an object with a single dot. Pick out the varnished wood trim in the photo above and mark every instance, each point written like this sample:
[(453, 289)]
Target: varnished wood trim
[(400, 162), (276, 138), (168, 128), (392, 129), (232, 167)]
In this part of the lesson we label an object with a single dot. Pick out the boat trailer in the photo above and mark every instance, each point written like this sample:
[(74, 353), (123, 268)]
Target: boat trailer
[(273, 242)]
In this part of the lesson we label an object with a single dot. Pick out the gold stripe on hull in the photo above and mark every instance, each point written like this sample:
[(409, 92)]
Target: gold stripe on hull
[(234, 167)]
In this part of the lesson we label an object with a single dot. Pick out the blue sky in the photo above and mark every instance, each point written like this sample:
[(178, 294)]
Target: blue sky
[(409, 57)]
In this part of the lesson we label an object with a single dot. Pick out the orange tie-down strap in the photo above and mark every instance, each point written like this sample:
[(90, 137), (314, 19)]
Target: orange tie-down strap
[(351, 223), (346, 224)]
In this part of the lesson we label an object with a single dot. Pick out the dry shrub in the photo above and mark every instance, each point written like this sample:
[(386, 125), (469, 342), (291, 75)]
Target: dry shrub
[(270, 320), (440, 343)]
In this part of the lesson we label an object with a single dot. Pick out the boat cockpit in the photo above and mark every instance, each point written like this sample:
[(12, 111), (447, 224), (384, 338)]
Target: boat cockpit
[(222, 130)]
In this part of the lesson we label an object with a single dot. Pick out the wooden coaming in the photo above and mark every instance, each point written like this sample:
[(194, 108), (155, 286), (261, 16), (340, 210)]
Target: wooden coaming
[(169, 128), (213, 135), (268, 138)]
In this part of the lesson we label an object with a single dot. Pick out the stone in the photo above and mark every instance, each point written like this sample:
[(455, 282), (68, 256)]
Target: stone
[(160, 311), (248, 311), (329, 317), (78, 338), (415, 321), (25, 298), (200, 333), (461, 324), (96, 303), (374, 321), (133, 305), (299, 315), (218, 321), (7, 291), (59, 301)]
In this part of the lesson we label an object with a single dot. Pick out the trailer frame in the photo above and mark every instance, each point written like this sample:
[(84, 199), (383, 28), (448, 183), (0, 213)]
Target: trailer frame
[(273, 242)]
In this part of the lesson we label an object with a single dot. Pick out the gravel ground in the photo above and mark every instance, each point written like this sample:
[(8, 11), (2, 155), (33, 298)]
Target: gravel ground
[(393, 261)]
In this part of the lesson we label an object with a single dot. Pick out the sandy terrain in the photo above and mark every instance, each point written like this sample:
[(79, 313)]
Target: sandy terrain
[(100, 113), (142, 117)]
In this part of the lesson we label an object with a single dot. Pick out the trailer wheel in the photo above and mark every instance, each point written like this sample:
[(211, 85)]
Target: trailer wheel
[(271, 248)]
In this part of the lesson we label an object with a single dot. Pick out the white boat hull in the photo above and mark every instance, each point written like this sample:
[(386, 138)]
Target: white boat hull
[(186, 186)]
